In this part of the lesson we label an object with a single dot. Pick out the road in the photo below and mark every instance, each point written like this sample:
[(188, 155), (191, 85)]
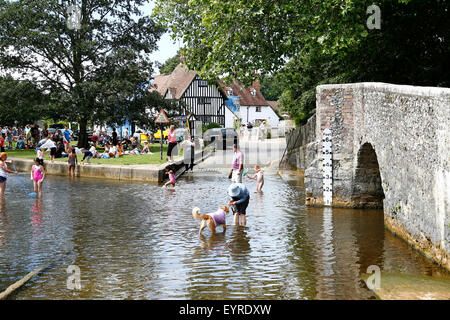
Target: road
[(264, 153)]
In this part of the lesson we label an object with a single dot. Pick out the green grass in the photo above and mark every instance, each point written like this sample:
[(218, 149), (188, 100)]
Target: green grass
[(154, 158)]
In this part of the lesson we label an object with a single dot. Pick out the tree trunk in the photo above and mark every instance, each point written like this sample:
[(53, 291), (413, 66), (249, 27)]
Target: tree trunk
[(83, 137)]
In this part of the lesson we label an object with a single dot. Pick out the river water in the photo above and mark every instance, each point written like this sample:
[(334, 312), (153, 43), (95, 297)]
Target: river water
[(139, 241)]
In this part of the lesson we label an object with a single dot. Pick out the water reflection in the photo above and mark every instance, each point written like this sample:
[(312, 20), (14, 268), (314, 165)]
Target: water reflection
[(3, 222)]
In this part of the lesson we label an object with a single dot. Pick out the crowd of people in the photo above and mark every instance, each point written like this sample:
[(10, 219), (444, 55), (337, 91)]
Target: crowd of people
[(58, 144)]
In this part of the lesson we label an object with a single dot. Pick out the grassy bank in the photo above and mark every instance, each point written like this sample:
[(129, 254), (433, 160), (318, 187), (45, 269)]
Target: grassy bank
[(154, 158)]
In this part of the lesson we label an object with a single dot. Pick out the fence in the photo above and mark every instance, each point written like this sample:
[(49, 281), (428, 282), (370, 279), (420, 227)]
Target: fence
[(296, 139)]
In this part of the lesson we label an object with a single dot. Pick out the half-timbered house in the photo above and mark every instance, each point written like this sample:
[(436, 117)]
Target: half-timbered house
[(205, 101)]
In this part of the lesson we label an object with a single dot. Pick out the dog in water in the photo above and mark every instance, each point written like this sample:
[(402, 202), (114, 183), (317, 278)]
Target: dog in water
[(212, 220)]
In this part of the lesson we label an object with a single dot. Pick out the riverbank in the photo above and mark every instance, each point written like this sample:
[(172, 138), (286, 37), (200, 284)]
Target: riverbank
[(410, 287), (138, 172)]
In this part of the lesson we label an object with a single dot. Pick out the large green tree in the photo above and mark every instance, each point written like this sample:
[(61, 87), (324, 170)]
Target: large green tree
[(93, 69), (296, 44), (237, 37), (20, 101)]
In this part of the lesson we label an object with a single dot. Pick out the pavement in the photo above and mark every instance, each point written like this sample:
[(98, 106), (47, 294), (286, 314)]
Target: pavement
[(265, 153)]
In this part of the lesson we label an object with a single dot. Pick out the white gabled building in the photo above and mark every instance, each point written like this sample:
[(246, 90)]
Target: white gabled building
[(250, 104)]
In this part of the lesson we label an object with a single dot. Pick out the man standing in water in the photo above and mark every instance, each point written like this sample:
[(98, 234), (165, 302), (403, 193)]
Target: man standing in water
[(238, 165), (240, 197)]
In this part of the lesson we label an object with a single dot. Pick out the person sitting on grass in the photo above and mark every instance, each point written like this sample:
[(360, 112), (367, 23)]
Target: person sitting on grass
[(146, 149), (21, 143), (113, 152), (120, 151)]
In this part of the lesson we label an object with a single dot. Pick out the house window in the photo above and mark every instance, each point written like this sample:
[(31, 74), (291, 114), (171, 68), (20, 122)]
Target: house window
[(258, 109), (202, 83), (253, 91), (204, 100), (230, 92)]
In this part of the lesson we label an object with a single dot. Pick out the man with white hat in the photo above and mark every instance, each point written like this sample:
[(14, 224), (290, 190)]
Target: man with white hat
[(240, 197)]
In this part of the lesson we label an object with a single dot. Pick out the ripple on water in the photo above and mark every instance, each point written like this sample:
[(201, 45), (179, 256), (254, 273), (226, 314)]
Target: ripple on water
[(139, 241)]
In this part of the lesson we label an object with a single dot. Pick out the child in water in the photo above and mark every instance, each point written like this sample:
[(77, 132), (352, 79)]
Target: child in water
[(38, 175), (259, 176), (4, 173), (172, 180), (72, 161)]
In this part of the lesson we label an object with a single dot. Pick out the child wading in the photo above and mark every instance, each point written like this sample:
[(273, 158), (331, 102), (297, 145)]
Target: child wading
[(259, 176), (4, 173), (72, 161), (38, 175), (172, 180)]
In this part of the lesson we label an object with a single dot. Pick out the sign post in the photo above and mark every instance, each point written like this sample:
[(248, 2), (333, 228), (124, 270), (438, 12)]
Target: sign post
[(161, 119)]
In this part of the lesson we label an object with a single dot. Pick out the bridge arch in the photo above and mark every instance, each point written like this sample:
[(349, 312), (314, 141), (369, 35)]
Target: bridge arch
[(367, 190)]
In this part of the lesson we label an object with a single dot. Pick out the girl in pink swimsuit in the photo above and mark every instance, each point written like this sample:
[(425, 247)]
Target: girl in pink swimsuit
[(38, 175), (172, 180)]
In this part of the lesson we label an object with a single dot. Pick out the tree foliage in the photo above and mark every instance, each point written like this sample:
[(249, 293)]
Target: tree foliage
[(92, 73), (20, 101), (170, 64), (296, 45)]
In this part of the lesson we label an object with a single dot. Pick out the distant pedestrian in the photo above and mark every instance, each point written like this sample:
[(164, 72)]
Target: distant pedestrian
[(66, 139), (172, 137), (238, 165), (188, 152), (2, 142), (114, 137)]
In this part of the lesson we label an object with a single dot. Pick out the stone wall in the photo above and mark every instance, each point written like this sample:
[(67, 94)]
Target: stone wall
[(391, 148), (301, 146)]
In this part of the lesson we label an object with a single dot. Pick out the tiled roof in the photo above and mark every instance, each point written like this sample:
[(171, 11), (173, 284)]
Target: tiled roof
[(177, 82), (274, 105), (245, 94)]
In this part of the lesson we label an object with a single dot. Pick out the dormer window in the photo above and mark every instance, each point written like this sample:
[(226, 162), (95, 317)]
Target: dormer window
[(253, 91), (230, 92)]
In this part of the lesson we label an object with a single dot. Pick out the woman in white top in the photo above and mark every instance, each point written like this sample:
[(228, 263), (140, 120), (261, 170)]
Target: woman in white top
[(4, 173)]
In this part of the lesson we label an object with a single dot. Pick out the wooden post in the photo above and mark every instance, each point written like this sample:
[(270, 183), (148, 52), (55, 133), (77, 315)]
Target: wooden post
[(162, 135)]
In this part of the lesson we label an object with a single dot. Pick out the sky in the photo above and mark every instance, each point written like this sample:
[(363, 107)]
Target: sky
[(167, 48)]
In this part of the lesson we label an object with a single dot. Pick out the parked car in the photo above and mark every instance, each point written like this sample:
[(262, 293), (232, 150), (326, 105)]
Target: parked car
[(223, 137)]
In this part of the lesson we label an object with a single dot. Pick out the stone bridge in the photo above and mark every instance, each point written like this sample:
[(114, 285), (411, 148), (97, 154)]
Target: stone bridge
[(391, 150)]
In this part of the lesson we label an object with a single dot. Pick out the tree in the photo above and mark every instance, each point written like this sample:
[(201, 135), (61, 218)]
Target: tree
[(237, 37), (20, 101), (91, 71), (302, 44), (170, 64)]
